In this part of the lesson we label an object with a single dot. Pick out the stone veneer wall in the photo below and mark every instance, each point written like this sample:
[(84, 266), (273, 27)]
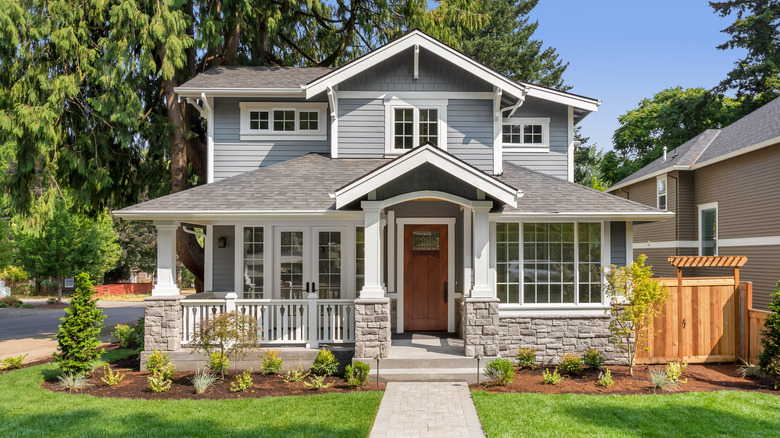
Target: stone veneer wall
[(553, 336), (372, 327), (479, 322), (162, 323)]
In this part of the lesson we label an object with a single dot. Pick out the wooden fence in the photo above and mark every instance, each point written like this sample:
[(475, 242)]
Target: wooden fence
[(754, 322)]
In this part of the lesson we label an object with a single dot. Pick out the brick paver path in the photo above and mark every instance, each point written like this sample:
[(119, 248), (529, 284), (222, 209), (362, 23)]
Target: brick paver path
[(427, 409)]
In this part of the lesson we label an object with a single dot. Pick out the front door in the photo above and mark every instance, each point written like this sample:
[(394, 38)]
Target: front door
[(425, 277)]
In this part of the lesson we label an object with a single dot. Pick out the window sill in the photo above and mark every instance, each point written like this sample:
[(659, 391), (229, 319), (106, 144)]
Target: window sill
[(523, 148), (276, 137), (590, 311)]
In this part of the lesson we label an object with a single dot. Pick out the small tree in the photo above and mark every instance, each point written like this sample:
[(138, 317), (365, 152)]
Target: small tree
[(79, 333), (231, 334), (636, 300), (769, 358)]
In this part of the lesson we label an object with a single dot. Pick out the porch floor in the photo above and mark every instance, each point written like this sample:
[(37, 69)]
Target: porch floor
[(427, 345)]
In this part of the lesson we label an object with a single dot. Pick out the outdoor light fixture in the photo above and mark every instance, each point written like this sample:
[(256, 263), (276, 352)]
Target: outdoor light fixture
[(222, 242)]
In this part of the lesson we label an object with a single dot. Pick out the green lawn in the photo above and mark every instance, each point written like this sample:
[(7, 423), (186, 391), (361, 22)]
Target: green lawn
[(28, 410), (698, 414)]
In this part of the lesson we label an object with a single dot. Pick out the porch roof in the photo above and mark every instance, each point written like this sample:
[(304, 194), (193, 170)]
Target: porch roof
[(303, 186)]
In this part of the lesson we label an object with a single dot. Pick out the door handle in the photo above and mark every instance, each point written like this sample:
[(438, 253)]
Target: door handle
[(446, 292), (307, 287)]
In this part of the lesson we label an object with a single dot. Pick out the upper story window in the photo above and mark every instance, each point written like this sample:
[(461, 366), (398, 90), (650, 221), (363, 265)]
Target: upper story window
[(526, 134), (661, 192), (410, 124), (283, 121), (708, 229)]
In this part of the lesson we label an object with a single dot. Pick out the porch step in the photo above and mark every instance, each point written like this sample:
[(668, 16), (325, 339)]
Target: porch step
[(429, 363), (428, 375)]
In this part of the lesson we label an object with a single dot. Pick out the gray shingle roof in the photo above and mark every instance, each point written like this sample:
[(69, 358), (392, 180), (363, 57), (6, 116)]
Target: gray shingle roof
[(255, 77), (304, 184), (757, 127)]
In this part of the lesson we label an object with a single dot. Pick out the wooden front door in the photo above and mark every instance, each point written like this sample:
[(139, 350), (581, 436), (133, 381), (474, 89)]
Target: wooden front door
[(425, 277)]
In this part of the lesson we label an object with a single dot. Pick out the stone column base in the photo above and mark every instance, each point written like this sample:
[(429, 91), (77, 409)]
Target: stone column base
[(479, 321), (372, 327), (162, 323)]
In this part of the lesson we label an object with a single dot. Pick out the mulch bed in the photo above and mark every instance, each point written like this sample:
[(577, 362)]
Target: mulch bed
[(705, 377), (136, 386)]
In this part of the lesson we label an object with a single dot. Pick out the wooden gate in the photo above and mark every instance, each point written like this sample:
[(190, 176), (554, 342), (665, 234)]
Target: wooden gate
[(699, 324)]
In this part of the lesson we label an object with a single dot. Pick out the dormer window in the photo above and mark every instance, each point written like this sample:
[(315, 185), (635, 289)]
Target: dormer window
[(409, 124), (283, 121), (526, 134)]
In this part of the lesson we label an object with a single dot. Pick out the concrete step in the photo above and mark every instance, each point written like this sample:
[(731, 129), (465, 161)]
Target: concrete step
[(428, 375), (433, 363)]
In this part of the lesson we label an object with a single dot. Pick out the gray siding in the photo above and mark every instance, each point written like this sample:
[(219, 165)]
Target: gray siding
[(223, 275), (233, 156), (426, 177), (555, 162), (617, 239), (361, 128), (470, 132), (397, 74)]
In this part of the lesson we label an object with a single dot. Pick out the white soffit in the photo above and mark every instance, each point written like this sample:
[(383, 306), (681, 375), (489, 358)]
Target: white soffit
[(417, 157)]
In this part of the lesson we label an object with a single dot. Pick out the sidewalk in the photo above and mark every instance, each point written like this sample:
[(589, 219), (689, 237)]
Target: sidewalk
[(436, 409)]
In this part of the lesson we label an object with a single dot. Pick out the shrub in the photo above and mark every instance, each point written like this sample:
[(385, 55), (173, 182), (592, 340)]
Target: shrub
[(51, 300), (131, 337), (593, 359), (551, 378), (500, 371), (110, 377), (526, 357), (159, 384), (159, 363), (202, 380), (28, 306), (73, 382), (296, 375), (606, 378), (571, 363), (78, 336), (12, 362), (358, 374), (325, 364), (243, 382), (317, 382), (749, 370), (674, 370), (662, 381), (636, 300), (231, 334), (10, 301), (96, 365), (769, 358), (218, 363), (3, 305), (272, 362)]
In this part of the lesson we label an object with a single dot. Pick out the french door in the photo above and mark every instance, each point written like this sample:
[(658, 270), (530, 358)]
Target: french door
[(310, 259)]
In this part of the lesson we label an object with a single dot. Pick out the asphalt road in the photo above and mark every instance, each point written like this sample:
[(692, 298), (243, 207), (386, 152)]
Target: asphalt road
[(43, 323)]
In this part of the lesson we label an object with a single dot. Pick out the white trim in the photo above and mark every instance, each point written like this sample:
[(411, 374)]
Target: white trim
[(208, 102), (208, 259), (450, 222), (416, 61), (238, 260), (435, 95), (702, 207), (417, 157), (498, 150), (646, 177), (629, 242), (509, 310), (460, 60), (333, 101), (428, 194), (270, 134), (749, 241), (212, 215), (542, 147), (572, 146), (658, 179), (393, 102), (239, 92), (577, 215), (667, 244), (468, 255), (391, 251)]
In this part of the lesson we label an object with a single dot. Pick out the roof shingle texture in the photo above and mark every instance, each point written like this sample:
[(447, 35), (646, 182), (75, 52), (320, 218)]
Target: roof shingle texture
[(256, 77), (304, 184)]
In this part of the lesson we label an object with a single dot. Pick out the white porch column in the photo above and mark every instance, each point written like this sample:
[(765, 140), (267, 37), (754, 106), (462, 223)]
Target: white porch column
[(373, 287), (482, 284), (166, 259)]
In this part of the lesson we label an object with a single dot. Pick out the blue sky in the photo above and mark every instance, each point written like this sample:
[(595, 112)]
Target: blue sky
[(624, 51)]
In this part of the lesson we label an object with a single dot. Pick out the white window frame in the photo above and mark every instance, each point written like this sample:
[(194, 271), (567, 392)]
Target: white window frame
[(701, 208), (527, 147), (665, 194), (416, 105), (269, 134)]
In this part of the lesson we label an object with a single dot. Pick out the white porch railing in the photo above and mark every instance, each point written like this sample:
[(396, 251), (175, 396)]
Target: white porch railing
[(310, 321)]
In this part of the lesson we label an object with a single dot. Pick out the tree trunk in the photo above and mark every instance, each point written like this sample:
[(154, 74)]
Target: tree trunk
[(60, 285)]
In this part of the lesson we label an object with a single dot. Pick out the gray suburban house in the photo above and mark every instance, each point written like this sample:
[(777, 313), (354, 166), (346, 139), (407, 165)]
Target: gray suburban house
[(411, 190), (724, 187)]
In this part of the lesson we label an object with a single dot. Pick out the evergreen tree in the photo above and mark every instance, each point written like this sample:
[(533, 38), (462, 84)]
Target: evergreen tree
[(769, 358), (78, 336), (6, 243)]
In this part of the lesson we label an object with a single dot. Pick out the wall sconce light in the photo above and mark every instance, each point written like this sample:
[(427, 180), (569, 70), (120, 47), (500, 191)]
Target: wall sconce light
[(222, 242)]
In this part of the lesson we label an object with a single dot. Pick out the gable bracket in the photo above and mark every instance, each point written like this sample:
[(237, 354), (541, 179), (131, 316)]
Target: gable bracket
[(520, 102), (497, 101), (332, 102), (204, 108), (416, 61)]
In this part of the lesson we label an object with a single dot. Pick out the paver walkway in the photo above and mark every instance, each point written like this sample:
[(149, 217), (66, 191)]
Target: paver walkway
[(435, 409)]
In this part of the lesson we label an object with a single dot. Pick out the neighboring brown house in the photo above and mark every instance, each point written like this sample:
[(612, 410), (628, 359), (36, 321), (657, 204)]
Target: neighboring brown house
[(724, 186)]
